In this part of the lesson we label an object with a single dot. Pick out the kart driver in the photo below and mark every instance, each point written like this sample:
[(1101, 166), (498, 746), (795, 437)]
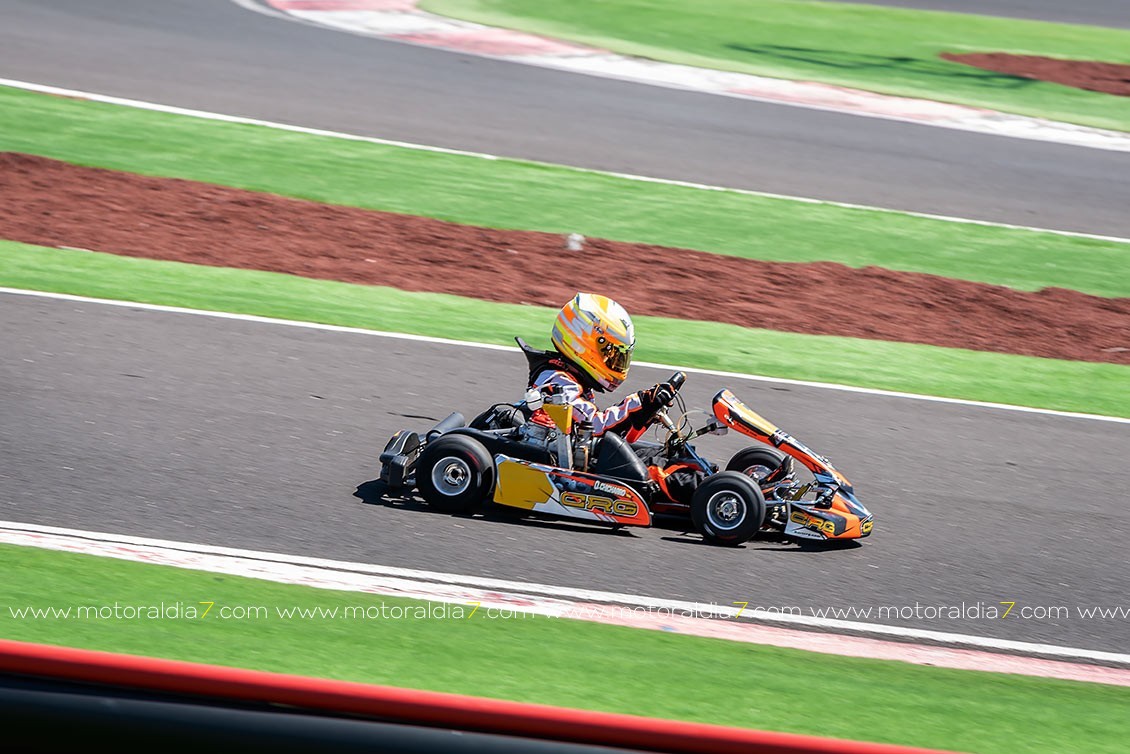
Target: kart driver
[(594, 339)]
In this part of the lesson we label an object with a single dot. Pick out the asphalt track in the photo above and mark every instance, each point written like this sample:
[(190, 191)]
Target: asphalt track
[(213, 55), (253, 435), (1111, 13)]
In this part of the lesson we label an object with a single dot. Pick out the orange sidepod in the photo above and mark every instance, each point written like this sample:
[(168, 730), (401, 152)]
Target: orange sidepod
[(611, 502)]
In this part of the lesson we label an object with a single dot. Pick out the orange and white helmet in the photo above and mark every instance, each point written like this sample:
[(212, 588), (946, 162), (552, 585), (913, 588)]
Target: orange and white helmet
[(596, 334)]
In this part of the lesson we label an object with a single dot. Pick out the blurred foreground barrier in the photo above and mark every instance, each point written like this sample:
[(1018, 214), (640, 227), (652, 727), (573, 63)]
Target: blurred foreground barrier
[(258, 693)]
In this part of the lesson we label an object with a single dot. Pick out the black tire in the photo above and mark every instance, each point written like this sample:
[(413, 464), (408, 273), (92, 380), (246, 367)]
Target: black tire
[(455, 474), (761, 464), (728, 508)]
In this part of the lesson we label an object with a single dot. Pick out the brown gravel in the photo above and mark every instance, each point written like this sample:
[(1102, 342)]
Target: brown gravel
[(57, 204), (1109, 78)]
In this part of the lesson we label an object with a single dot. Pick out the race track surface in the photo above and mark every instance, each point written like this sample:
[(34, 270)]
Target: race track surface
[(256, 436), (253, 435), (1112, 13), (214, 55)]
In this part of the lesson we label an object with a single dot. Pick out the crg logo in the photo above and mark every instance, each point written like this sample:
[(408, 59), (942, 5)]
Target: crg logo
[(812, 522), (599, 504)]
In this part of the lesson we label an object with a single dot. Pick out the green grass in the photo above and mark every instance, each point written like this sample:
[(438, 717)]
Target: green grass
[(1003, 378), (555, 661), (514, 194), (891, 50)]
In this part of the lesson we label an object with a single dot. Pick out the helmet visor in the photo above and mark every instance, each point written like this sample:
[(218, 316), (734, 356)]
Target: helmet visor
[(617, 357)]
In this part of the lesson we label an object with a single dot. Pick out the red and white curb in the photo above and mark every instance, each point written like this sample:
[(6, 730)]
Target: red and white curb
[(717, 621), (402, 21)]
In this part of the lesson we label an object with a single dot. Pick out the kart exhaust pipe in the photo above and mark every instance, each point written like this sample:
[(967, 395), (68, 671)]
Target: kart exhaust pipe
[(454, 420)]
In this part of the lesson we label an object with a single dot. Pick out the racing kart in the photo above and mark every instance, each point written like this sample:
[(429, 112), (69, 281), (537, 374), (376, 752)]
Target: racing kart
[(533, 457)]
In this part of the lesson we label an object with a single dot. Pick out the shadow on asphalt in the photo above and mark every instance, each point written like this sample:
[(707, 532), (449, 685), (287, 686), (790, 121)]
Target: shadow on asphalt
[(376, 492)]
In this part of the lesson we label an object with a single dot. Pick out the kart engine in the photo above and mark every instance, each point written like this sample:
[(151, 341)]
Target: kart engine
[(569, 450)]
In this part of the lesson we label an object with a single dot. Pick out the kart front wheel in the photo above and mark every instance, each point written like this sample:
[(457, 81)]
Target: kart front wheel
[(761, 464), (455, 474), (728, 508)]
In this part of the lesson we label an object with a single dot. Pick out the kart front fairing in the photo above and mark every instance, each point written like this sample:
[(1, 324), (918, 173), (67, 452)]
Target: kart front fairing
[(833, 512)]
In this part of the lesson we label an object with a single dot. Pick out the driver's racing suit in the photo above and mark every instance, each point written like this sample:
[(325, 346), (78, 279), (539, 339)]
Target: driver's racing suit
[(626, 418), (630, 417)]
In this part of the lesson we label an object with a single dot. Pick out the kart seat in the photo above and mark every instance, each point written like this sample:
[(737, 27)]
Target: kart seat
[(615, 458)]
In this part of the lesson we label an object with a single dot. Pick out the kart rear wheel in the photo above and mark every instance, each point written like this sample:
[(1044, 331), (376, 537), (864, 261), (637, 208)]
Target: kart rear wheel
[(455, 474), (761, 464), (728, 508)]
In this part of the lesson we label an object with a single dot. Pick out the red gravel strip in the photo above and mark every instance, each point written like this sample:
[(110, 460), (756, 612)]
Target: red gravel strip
[(54, 203), (1109, 78)]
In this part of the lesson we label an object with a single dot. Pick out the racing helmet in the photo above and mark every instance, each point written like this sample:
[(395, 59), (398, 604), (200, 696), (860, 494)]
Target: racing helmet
[(596, 334)]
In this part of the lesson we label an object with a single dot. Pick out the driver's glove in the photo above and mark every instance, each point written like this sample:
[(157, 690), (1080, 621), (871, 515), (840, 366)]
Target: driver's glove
[(656, 397)]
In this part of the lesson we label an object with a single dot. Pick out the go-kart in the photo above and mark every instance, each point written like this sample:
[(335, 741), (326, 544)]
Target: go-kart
[(532, 456)]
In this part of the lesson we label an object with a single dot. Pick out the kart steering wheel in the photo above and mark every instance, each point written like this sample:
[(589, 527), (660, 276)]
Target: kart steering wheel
[(676, 382)]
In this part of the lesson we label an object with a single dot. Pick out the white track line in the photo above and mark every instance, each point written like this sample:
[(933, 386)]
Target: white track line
[(493, 347), (559, 601), (141, 105)]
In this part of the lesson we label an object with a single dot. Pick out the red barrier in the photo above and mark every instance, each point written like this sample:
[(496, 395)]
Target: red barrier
[(427, 708)]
